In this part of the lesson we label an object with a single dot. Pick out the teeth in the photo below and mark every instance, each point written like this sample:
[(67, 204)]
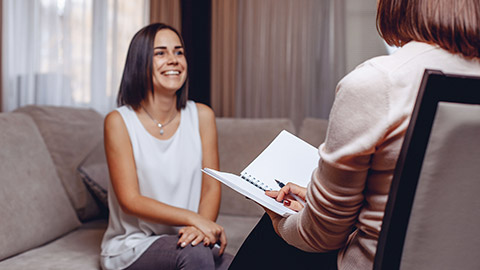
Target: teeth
[(172, 72)]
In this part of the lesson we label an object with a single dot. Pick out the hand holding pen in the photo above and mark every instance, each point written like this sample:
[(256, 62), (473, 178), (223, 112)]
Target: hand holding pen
[(289, 190)]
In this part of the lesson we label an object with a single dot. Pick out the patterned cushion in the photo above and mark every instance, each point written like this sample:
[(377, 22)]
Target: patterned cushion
[(96, 178), (94, 173)]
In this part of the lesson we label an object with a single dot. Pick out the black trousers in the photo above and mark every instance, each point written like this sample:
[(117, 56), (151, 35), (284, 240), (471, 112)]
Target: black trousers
[(264, 249)]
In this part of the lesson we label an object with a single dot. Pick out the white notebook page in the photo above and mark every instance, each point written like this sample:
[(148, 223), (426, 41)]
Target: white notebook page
[(287, 158)]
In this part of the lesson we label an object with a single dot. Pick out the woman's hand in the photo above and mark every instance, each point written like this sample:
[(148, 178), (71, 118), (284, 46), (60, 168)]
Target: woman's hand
[(283, 195), (190, 234), (213, 232), (275, 219)]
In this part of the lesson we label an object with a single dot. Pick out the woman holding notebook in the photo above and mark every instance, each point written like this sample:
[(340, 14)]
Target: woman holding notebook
[(346, 198), (162, 209)]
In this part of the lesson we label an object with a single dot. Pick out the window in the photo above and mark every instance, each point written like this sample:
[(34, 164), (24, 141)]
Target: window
[(67, 52)]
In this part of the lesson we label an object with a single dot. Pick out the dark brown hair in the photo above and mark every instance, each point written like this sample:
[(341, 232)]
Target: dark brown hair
[(137, 74), (454, 25)]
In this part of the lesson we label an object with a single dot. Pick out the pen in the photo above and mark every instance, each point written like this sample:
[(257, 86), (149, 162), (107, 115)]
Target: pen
[(298, 199)]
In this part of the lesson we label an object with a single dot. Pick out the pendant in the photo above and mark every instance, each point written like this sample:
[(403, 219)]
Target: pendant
[(161, 128)]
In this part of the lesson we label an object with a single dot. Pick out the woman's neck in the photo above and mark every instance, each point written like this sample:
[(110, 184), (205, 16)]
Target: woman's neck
[(161, 107)]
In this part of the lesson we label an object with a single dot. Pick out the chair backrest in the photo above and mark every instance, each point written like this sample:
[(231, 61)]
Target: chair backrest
[(432, 217)]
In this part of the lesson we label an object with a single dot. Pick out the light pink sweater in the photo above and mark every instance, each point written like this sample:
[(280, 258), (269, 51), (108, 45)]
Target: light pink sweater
[(368, 120)]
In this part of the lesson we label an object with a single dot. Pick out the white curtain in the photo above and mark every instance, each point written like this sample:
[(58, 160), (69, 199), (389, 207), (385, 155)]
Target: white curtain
[(67, 52)]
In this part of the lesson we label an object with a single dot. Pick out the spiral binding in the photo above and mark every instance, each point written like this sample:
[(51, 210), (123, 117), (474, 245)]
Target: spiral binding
[(254, 181)]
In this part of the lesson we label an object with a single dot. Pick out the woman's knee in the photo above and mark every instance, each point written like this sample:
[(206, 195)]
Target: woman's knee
[(196, 257)]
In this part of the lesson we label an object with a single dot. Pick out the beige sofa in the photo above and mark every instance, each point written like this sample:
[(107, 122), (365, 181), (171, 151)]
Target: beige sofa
[(53, 176)]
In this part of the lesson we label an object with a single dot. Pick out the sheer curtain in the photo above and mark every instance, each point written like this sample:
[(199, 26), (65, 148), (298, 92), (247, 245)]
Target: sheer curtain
[(67, 52), (289, 55)]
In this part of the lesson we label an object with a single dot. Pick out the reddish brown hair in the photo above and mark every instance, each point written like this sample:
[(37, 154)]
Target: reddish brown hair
[(454, 25)]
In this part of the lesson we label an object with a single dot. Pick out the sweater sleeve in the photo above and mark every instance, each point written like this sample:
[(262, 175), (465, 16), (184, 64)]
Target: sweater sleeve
[(358, 123)]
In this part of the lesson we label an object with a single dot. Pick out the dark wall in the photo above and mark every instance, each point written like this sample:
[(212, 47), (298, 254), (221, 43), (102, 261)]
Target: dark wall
[(196, 32)]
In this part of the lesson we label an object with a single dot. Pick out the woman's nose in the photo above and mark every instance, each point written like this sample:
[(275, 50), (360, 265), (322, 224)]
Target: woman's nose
[(172, 59)]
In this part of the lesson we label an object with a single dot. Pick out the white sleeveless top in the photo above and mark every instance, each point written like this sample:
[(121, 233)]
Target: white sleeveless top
[(168, 171)]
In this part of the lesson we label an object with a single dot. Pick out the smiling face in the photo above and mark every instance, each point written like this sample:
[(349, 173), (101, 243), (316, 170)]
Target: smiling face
[(169, 62)]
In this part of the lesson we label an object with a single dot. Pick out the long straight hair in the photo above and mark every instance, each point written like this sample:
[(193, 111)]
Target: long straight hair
[(454, 25), (137, 74)]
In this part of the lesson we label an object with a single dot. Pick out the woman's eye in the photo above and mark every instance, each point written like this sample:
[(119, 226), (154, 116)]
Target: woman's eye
[(179, 52), (159, 53)]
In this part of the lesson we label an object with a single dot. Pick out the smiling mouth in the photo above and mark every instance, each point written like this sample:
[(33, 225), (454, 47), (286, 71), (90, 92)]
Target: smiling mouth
[(172, 72)]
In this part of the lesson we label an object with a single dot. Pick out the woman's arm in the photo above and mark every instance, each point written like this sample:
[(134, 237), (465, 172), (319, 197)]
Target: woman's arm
[(211, 189), (123, 175), (358, 124)]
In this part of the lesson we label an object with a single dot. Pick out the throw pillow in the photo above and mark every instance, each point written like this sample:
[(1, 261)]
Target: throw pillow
[(96, 177), (93, 170)]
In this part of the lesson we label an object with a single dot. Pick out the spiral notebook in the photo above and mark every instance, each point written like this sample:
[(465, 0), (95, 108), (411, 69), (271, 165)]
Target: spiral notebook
[(287, 158)]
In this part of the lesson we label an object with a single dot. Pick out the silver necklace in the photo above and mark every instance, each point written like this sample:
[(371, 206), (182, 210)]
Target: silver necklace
[(161, 126)]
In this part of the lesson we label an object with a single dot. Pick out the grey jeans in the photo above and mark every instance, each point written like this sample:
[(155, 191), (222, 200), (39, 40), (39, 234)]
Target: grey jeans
[(164, 254)]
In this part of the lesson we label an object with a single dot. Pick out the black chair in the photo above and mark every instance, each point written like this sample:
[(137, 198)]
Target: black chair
[(432, 218)]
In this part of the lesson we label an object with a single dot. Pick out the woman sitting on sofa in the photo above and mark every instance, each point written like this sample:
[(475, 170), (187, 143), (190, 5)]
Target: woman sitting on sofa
[(156, 142), (348, 192)]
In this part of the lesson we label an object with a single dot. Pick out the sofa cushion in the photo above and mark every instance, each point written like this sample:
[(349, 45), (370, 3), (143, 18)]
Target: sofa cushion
[(96, 178), (70, 134), (313, 130), (79, 249), (34, 208), (94, 172), (239, 142)]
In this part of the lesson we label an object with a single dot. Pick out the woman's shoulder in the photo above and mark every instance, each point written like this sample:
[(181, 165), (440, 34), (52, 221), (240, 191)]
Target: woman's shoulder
[(115, 118), (204, 112), (396, 66), (381, 68), (367, 78), (206, 116)]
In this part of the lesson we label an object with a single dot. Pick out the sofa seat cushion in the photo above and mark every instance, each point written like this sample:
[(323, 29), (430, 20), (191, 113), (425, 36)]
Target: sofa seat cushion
[(79, 249), (237, 229)]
